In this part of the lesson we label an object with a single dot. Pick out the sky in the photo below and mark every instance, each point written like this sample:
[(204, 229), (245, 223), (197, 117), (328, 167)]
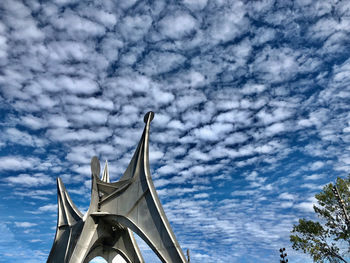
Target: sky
[(251, 102)]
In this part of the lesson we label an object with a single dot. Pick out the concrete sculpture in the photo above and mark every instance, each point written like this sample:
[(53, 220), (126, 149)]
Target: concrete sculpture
[(116, 211)]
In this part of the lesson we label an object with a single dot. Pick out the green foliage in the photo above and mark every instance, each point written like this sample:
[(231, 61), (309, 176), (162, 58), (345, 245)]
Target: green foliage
[(322, 241)]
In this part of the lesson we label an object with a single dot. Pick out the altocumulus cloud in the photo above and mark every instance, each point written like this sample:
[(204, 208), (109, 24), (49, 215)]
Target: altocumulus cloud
[(251, 102)]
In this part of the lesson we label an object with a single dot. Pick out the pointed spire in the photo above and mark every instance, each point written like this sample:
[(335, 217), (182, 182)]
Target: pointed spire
[(105, 175), (141, 153), (68, 213)]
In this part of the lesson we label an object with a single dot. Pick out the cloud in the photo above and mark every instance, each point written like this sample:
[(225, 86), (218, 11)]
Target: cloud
[(33, 122), (213, 132), (275, 129), (107, 18), (35, 194), (201, 195), (286, 196), (68, 51), (90, 117), (75, 25), (253, 88), (14, 135), (9, 240), (276, 115), (48, 208), (17, 163), (316, 165), (177, 25), (196, 5), (24, 28), (134, 28), (24, 224), (77, 85), (161, 62), (229, 22), (80, 135), (263, 35), (305, 206), (27, 180), (276, 65)]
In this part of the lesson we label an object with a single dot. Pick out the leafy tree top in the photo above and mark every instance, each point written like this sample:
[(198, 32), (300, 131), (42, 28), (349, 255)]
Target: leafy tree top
[(329, 239)]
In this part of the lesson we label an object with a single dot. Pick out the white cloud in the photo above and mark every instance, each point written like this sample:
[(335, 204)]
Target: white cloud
[(161, 62), (189, 100), (276, 65), (17, 163), (24, 224), (48, 208), (107, 18), (275, 129), (230, 23), (77, 85), (262, 35), (253, 88), (316, 165), (91, 102), (162, 97), (134, 28), (276, 115), (213, 132), (68, 51), (132, 82), (23, 138), (155, 155), (315, 177), (238, 137), (196, 4), (177, 25), (58, 121), (235, 117), (64, 135), (76, 25), (90, 117), (27, 180), (201, 195), (305, 206), (33, 122), (36, 194), (286, 196)]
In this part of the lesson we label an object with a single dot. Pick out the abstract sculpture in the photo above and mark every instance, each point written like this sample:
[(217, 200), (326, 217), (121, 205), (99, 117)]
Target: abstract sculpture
[(116, 211)]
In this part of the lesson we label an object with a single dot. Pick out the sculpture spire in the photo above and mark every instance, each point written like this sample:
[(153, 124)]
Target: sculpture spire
[(141, 153)]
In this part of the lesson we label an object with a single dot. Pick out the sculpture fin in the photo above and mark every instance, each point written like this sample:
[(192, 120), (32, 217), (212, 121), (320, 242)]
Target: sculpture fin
[(69, 222), (68, 213), (105, 175)]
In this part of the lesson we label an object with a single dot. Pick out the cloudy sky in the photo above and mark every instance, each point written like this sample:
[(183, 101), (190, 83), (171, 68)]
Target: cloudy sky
[(252, 116)]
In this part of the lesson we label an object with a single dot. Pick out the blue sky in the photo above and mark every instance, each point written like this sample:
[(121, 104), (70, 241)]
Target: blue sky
[(252, 115)]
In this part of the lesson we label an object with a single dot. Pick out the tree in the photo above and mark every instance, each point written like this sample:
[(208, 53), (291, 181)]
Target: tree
[(329, 239)]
